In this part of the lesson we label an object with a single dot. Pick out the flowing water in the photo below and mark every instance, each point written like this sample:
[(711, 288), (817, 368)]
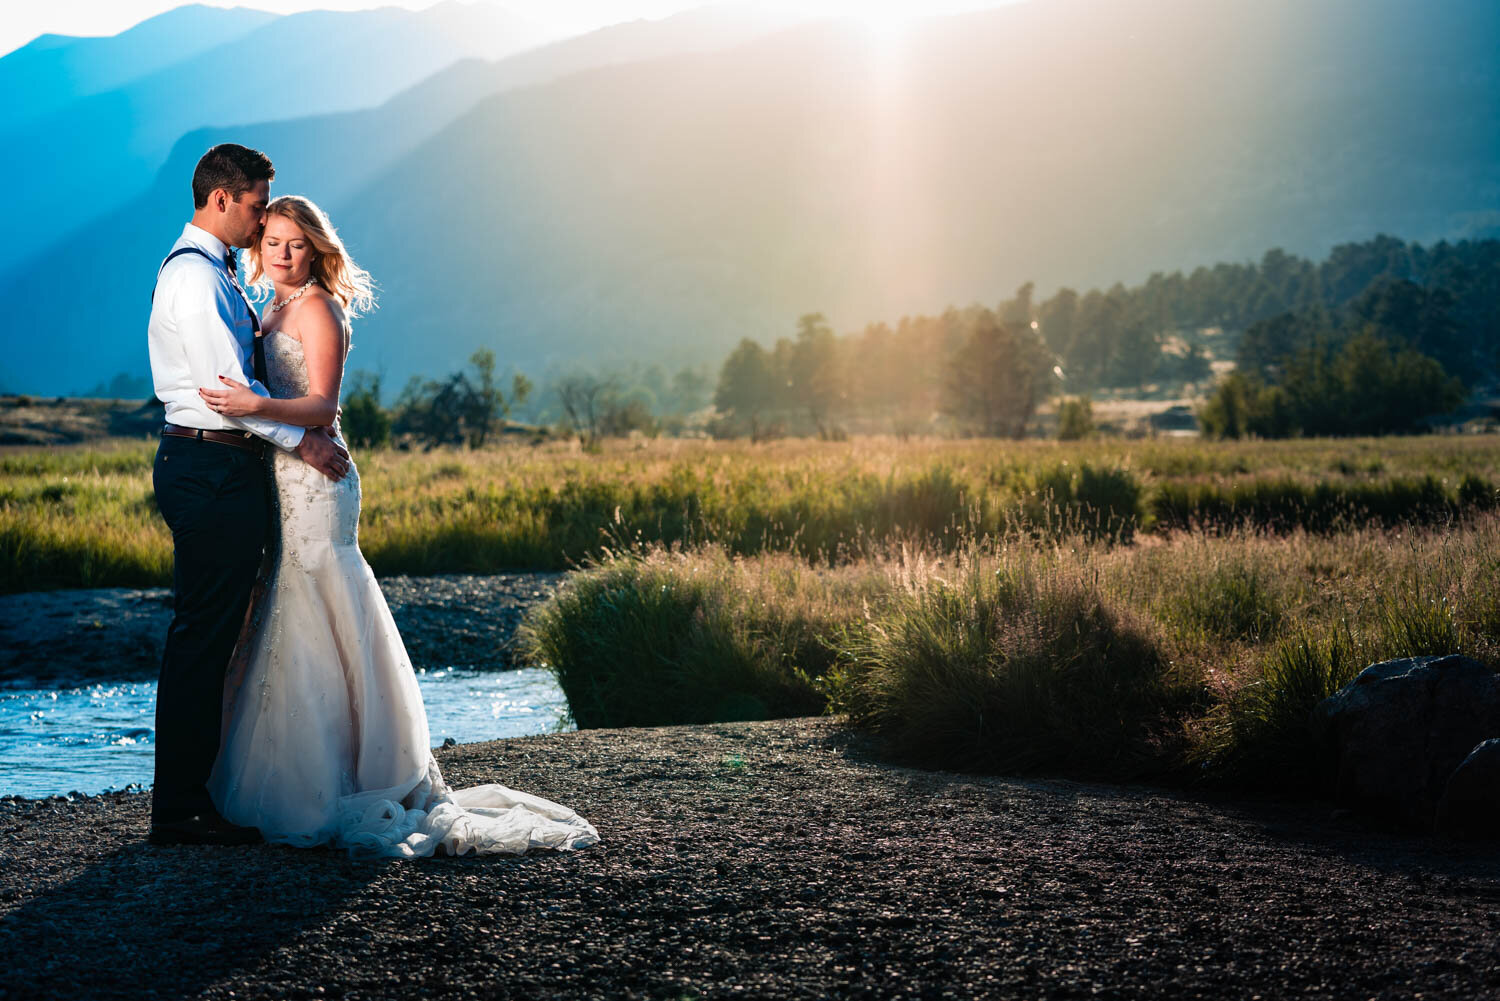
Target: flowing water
[(99, 737)]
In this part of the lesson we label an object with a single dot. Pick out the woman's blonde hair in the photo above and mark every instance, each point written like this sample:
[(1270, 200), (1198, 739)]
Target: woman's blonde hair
[(332, 266)]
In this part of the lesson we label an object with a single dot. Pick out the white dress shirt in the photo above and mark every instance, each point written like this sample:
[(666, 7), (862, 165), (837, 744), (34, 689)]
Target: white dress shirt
[(200, 329)]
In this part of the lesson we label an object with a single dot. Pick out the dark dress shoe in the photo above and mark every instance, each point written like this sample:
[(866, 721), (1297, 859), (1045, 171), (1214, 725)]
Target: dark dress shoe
[(202, 829)]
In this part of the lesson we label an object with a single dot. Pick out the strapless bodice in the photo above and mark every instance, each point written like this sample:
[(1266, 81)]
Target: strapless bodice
[(286, 368)]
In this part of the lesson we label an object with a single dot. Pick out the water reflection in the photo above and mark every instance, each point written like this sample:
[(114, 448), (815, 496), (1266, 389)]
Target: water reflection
[(99, 737)]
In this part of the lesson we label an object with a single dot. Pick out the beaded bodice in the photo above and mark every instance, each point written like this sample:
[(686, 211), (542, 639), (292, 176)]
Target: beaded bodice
[(286, 368)]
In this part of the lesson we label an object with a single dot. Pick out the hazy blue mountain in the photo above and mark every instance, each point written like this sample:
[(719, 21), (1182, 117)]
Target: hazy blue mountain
[(702, 29), (664, 209), (52, 71), (329, 157), (326, 157), (96, 152)]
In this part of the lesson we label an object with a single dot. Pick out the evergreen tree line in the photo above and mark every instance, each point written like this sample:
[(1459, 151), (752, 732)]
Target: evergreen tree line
[(1388, 360), (1316, 345), (1377, 338), (1106, 338)]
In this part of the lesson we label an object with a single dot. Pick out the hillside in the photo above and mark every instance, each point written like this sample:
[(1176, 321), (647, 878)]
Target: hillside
[(53, 70), (669, 209), (90, 154), (663, 209), (327, 157)]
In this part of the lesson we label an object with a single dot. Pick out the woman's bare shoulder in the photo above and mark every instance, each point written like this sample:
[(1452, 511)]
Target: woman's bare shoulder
[(321, 312)]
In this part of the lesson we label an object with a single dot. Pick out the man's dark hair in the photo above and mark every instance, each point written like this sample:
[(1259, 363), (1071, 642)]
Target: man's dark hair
[(230, 166)]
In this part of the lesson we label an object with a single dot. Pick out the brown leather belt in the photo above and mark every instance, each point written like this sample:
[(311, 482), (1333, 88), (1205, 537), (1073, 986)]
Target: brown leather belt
[(235, 439)]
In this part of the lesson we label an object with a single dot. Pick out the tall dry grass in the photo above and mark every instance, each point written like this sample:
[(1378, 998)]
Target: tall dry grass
[(1187, 656), (83, 517)]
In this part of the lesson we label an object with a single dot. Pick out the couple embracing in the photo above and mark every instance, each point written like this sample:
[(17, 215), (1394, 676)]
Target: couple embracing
[(317, 735)]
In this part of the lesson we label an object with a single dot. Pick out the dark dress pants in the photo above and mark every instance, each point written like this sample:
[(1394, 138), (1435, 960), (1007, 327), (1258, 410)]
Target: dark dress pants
[(215, 500)]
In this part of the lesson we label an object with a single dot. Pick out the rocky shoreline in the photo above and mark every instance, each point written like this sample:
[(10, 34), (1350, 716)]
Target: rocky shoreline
[(776, 859), (48, 638)]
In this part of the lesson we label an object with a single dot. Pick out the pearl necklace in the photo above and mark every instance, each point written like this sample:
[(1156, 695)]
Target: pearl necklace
[(276, 307)]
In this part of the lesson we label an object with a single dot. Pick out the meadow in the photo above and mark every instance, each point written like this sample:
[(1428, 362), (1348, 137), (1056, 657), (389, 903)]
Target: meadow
[(84, 516), (1169, 609), (1192, 657)]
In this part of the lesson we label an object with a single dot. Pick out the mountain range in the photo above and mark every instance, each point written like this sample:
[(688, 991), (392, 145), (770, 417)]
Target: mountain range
[(52, 71), (110, 143), (659, 193)]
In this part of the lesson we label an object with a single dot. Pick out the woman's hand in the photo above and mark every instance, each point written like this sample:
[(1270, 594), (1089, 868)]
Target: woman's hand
[(235, 400)]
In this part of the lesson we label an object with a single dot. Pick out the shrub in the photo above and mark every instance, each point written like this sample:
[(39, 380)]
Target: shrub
[(1094, 501), (1243, 405), (1411, 626), (1011, 671), (465, 408), (364, 422), (620, 417), (1477, 494), (1075, 419), (662, 638), (1264, 737), (1283, 504), (1027, 656)]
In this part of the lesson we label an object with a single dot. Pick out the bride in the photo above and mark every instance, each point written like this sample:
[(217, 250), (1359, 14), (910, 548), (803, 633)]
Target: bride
[(325, 737)]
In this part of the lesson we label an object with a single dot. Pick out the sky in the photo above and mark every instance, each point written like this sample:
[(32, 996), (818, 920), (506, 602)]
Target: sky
[(25, 19)]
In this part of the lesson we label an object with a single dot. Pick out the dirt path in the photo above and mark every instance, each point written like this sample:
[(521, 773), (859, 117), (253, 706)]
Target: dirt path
[(767, 860)]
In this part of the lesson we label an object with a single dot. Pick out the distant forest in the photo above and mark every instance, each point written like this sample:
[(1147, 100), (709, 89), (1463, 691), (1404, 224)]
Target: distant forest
[(985, 370), (1378, 338)]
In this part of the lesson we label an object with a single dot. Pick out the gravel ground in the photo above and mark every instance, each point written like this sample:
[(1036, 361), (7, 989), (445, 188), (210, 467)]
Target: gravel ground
[(69, 637), (768, 860)]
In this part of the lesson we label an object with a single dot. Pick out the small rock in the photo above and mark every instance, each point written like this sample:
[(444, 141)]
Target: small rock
[(1470, 807)]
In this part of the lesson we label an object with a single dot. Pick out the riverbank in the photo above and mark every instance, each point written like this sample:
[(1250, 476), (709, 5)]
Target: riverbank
[(72, 637), (776, 859)]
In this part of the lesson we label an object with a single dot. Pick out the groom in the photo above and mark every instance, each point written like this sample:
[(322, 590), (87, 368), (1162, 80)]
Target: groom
[(211, 480)]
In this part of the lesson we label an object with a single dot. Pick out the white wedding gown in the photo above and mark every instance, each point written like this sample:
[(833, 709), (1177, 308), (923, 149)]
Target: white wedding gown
[(325, 735)]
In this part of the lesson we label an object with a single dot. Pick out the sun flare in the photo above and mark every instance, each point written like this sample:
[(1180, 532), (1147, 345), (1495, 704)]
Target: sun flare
[(883, 18), (891, 16)]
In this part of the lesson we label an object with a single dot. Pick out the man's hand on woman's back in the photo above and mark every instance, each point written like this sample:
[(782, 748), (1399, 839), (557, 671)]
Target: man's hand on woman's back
[(324, 454)]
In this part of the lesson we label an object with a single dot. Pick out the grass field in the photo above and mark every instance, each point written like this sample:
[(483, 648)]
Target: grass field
[(85, 516), (1194, 657), (1169, 609)]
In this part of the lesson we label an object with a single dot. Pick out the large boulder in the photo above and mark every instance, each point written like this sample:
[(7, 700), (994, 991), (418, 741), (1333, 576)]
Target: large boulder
[(1470, 807), (1402, 728)]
